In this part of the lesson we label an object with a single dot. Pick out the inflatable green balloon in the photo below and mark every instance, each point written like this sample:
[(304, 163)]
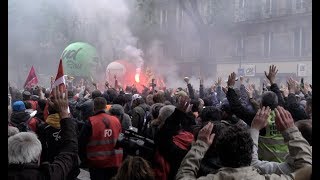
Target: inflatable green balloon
[(80, 59)]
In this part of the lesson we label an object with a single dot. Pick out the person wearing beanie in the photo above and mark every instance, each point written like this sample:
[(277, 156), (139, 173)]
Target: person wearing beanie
[(118, 111), (19, 116)]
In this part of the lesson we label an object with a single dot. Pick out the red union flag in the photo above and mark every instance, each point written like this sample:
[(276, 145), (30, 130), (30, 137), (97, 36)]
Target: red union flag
[(31, 79), (60, 80)]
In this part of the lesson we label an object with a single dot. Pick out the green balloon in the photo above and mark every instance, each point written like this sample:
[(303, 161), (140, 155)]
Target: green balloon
[(80, 59)]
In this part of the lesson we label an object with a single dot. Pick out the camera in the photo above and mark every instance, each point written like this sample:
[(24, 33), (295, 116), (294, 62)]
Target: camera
[(134, 144)]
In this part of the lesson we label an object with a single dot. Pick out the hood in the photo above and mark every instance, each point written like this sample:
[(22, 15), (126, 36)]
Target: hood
[(116, 109), (19, 117), (53, 120), (249, 173), (183, 140)]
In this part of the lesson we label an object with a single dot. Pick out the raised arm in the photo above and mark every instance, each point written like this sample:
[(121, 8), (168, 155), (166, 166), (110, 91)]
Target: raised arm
[(67, 159), (271, 76), (191, 163), (235, 103)]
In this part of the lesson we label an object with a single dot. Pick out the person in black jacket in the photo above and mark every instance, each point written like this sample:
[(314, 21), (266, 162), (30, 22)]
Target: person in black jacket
[(19, 117), (24, 150)]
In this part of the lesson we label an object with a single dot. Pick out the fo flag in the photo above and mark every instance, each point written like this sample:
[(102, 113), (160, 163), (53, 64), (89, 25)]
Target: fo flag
[(31, 79)]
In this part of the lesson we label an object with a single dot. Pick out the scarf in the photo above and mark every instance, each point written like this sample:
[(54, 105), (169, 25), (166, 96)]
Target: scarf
[(53, 120)]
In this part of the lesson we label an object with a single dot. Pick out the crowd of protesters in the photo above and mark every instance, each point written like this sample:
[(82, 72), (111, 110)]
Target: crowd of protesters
[(230, 132)]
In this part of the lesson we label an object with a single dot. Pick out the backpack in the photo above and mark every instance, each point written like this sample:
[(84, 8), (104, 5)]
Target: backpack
[(145, 124)]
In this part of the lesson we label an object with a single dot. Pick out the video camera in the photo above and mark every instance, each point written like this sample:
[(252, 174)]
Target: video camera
[(136, 145)]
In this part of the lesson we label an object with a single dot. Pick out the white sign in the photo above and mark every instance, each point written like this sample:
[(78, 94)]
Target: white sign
[(302, 70), (249, 70)]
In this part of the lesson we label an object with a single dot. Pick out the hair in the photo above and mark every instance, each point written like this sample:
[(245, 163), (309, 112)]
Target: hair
[(26, 95), (165, 112), (47, 94), (149, 99), (137, 102), (270, 99), (159, 97), (99, 103), (27, 104), (112, 94), (42, 104), (95, 94), (155, 108), (70, 93), (234, 146), (207, 101), (195, 107), (120, 99), (305, 127), (12, 131), (211, 113), (135, 168), (23, 148)]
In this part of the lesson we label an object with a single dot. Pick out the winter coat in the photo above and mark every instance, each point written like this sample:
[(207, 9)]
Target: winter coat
[(300, 151), (86, 108), (138, 115), (20, 120), (173, 142), (50, 139), (64, 166)]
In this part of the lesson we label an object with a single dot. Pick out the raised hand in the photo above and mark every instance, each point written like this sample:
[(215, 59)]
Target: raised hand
[(285, 91), (183, 103), (205, 134), (292, 86), (284, 119), (241, 79), (60, 101), (261, 119), (231, 79), (186, 79), (219, 81), (272, 74), (201, 81), (250, 90), (307, 88)]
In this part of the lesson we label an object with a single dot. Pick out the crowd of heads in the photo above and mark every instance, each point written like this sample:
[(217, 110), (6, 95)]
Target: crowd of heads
[(177, 114)]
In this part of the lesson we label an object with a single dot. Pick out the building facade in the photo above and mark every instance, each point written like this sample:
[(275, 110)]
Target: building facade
[(262, 32)]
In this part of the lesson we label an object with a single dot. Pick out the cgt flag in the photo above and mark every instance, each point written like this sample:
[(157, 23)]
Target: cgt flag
[(31, 79)]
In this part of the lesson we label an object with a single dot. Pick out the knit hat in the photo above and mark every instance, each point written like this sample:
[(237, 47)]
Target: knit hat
[(116, 109), (18, 106)]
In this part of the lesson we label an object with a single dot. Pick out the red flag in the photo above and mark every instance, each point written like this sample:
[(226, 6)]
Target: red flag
[(31, 79), (60, 80)]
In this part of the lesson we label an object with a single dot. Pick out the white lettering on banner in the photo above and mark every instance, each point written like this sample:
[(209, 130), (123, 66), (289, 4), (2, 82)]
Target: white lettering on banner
[(107, 132), (249, 70)]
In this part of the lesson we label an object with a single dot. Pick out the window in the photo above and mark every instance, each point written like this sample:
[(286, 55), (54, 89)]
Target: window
[(240, 46), (299, 42), (163, 18), (241, 3), (299, 4), (268, 6), (267, 44)]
